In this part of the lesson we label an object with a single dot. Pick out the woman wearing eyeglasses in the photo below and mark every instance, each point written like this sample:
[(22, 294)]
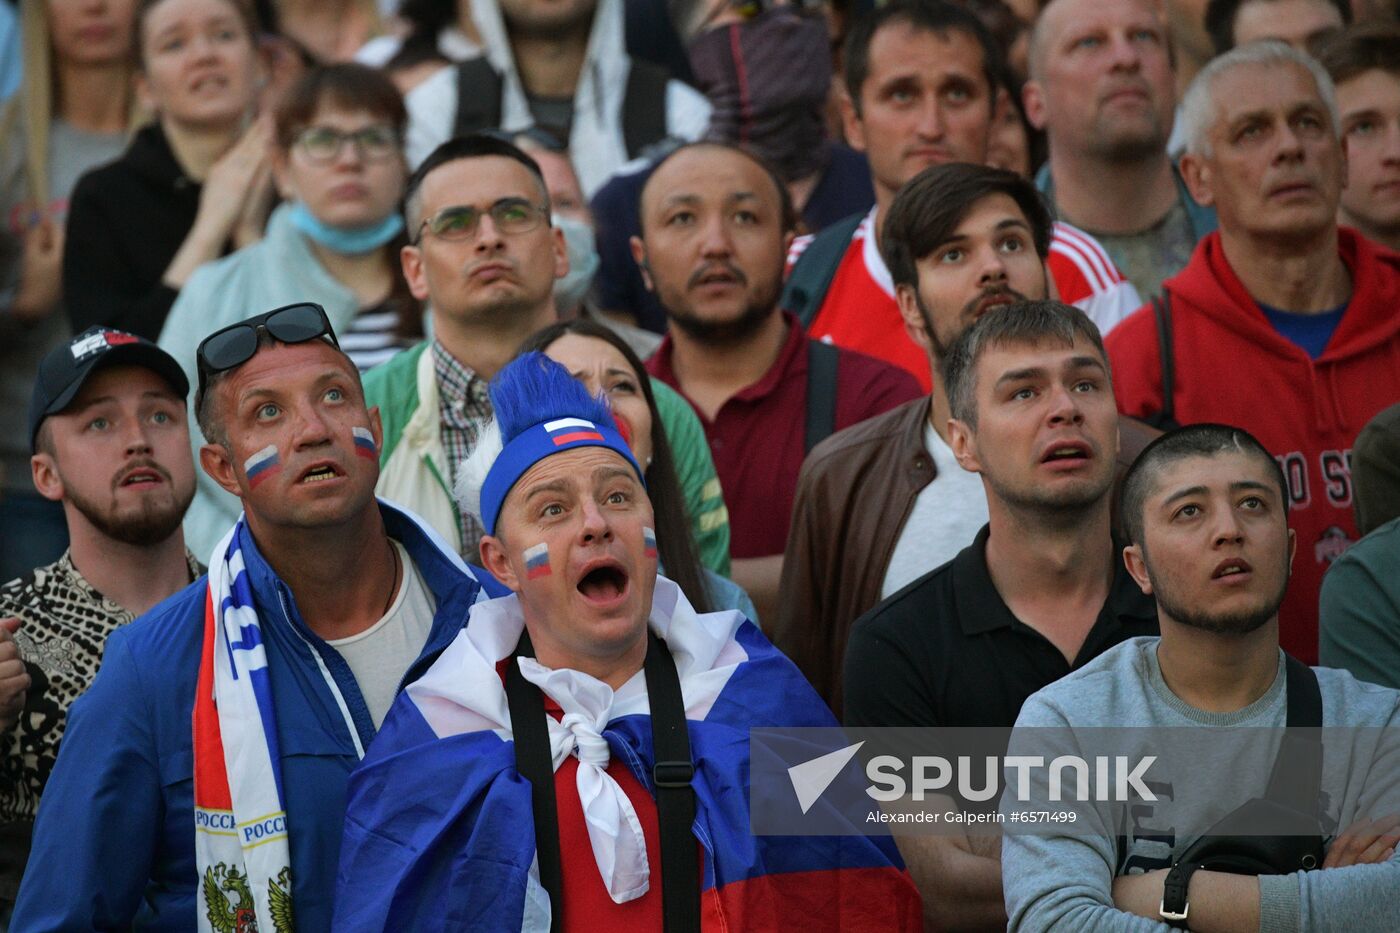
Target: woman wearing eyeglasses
[(334, 240), (191, 186)]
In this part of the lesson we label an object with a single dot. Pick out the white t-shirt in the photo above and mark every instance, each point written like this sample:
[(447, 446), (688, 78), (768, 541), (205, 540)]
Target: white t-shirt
[(380, 655), (947, 515)]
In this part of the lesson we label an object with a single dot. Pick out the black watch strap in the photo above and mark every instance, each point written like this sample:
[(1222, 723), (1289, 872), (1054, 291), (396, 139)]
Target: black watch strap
[(1174, 906)]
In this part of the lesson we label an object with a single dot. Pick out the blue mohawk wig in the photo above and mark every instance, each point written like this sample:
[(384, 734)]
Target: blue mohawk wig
[(532, 388), (540, 410)]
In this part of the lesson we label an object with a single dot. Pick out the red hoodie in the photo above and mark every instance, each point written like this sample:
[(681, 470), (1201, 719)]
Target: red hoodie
[(1232, 367)]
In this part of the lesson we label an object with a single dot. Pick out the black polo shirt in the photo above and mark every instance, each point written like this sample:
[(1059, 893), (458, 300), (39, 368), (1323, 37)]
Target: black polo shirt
[(946, 650)]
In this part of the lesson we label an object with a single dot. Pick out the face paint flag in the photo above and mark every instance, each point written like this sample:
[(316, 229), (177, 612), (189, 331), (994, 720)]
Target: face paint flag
[(261, 465), (364, 442), (649, 541), (537, 561), (568, 430)]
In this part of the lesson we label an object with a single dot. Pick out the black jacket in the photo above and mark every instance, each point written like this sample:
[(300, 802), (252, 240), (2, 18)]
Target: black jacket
[(126, 221)]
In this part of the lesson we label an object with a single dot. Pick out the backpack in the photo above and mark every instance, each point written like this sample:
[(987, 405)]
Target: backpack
[(479, 89), (811, 275)]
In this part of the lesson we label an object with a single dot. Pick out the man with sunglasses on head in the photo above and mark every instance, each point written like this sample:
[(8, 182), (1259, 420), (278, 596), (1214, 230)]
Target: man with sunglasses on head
[(201, 782), (484, 255)]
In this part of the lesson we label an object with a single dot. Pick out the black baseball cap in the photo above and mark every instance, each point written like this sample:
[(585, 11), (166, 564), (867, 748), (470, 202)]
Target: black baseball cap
[(65, 369)]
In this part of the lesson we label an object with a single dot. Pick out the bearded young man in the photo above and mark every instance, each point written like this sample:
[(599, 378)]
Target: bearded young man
[(1206, 508), (110, 442)]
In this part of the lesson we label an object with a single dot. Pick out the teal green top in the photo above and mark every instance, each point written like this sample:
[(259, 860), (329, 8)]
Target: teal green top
[(1359, 627)]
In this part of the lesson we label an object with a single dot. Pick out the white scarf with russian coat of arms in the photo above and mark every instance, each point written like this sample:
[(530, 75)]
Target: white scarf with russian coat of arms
[(240, 813)]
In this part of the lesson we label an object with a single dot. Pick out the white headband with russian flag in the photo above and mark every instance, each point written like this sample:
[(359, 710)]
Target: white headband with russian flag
[(534, 444)]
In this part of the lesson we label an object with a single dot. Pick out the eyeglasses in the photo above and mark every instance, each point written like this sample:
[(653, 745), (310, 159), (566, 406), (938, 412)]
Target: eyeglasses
[(237, 344), (373, 143), (510, 215)]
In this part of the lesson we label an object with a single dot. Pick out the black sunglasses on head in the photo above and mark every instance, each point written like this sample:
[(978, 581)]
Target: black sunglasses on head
[(236, 344)]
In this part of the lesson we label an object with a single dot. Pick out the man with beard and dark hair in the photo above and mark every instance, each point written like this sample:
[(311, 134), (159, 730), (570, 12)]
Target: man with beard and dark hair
[(1207, 507), (716, 222), (1040, 591), (111, 444)]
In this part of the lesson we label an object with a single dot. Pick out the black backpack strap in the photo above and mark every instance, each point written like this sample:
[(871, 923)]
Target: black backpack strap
[(812, 273), (1162, 313), (533, 759), (821, 393), (675, 798), (478, 97), (1296, 780), (644, 107)]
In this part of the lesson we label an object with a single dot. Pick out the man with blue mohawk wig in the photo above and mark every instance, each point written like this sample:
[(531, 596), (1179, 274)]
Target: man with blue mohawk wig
[(578, 757)]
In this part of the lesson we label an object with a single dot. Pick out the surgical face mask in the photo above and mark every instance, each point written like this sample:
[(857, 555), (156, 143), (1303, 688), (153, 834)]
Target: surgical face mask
[(583, 263), (761, 99), (347, 242)]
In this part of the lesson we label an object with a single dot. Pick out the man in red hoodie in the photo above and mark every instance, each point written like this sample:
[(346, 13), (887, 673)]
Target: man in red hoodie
[(1282, 323)]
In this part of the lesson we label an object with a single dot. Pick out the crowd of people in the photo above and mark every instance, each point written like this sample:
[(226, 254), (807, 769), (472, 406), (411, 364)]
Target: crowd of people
[(435, 433)]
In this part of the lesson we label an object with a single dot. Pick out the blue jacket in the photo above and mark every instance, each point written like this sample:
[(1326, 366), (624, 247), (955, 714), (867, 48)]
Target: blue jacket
[(114, 840)]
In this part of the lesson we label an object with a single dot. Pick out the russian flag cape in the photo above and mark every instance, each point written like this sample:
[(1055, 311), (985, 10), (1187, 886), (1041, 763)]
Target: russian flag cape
[(440, 832)]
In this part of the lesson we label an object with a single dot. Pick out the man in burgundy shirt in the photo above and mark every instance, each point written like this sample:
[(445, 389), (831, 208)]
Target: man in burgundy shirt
[(716, 224)]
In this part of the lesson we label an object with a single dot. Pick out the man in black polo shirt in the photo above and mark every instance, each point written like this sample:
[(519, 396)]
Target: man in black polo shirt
[(1039, 593)]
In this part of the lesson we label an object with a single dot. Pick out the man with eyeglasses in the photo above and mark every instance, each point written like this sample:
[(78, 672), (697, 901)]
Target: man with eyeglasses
[(201, 781), (484, 255)]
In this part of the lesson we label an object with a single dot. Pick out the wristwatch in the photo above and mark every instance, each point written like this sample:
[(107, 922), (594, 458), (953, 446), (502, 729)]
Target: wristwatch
[(1174, 907)]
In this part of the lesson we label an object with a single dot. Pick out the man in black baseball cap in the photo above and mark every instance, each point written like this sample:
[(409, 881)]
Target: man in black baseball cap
[(110, 443)]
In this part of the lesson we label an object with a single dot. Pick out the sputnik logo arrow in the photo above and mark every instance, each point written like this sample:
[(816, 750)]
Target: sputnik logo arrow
[(811, 778)]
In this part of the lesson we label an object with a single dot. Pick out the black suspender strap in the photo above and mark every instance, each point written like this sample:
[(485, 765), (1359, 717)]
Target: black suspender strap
[(672, 774), (675, 798), (533, 760)]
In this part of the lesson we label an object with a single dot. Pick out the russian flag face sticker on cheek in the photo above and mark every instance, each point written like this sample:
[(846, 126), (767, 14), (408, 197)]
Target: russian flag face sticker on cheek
[(537, 561), (649, 541), (364, 443), (261, 465)]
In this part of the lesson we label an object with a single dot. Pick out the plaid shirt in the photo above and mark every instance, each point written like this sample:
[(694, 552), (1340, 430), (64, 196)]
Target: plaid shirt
[(463, 409)]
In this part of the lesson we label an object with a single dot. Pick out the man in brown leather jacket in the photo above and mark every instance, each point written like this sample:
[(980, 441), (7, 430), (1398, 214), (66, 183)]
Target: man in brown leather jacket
[(884, 502)]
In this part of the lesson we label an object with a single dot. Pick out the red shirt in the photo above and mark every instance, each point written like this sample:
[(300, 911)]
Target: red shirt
[(758, 436)]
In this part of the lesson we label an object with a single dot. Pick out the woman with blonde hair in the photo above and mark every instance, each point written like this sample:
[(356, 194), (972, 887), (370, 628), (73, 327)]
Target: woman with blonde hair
[(73, 111)]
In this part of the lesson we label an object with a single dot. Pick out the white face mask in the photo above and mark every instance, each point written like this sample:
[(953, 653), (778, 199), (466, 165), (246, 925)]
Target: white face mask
[(583, 263)]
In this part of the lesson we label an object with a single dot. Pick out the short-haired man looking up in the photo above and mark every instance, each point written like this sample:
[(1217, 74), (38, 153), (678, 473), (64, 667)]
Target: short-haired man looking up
[(485, 255), (1300, 23), (1364, 61), (1102, 86), (1039, 593), (1207, 507), (921, 90), (107, 421), (1295, 315), (232, 714)]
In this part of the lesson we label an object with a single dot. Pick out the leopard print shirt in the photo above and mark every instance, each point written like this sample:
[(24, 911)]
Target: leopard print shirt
[(65, 627)]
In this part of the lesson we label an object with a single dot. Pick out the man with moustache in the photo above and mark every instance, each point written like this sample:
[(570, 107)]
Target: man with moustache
[(921, 79), (715, 224), (201, 781), (1102, 87), (1040, 591), (1283, 323), (1207, 509), (106, 427)]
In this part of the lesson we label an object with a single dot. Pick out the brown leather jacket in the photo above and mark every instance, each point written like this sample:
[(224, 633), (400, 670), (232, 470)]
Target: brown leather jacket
[(854, 494)]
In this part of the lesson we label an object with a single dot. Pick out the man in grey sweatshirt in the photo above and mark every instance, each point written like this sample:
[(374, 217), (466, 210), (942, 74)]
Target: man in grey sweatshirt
[(1206, 510)]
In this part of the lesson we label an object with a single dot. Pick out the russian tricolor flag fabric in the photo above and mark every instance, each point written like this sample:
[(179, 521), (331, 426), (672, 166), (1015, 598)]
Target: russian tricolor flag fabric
[(439, 829)]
